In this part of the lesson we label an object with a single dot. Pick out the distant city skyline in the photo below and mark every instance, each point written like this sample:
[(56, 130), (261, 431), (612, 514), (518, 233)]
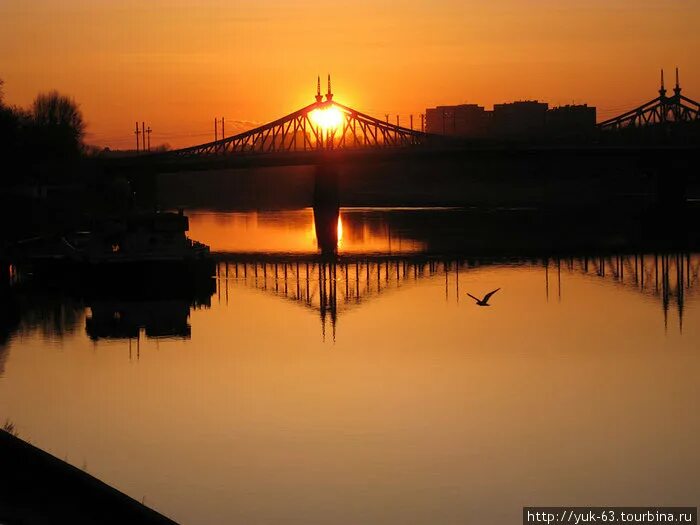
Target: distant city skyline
[(178, 68)]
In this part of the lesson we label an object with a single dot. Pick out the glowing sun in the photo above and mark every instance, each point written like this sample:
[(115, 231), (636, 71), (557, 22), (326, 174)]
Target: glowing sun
[(327, 119)]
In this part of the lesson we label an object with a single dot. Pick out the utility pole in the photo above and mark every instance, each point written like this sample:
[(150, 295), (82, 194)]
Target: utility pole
[(137, 133), (149, 130), (411, 118), (143, 135), (397, 121), (216, 129)]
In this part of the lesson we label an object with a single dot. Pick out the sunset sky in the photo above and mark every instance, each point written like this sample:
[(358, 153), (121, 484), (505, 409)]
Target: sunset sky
[(179, 64)]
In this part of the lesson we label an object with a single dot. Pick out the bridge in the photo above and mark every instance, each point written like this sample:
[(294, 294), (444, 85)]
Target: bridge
[(323, 125), (327, 125), (660, 110), (327, 130)]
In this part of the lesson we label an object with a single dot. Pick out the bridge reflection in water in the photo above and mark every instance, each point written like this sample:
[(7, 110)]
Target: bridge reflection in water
[(333, 285), (331, 260), (334, 274), (668, 277)]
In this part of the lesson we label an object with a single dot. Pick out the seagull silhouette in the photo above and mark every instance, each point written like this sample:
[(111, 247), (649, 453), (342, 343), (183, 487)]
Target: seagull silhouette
[(485, 300)]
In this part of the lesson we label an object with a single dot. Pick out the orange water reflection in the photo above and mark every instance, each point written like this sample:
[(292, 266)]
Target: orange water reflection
[(425, 409), (294, 231)]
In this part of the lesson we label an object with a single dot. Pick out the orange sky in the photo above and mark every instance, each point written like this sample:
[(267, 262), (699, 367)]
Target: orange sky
[(178, 64)]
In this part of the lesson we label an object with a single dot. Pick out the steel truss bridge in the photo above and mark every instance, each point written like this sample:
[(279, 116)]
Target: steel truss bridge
[(323, 125), (333, 286), (328, 129), (662, 109), (328, 126)]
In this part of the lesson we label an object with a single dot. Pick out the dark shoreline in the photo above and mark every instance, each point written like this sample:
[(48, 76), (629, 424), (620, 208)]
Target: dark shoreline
[(38, 488)]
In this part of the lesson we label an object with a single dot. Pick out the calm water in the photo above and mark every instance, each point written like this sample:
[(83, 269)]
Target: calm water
[(374, 390)]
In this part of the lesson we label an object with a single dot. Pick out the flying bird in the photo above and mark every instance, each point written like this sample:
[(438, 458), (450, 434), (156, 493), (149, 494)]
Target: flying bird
[(485, 300)]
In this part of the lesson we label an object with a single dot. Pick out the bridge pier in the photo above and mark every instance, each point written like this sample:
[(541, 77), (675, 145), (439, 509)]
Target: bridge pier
[(326, 205), (326, 186)]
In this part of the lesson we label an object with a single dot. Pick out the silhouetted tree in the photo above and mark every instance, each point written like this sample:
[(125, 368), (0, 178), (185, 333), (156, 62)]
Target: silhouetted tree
[(9, 128), (58, 125), (42, 143)]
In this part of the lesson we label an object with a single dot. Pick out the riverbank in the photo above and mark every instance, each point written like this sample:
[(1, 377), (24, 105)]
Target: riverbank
[(38, 488)]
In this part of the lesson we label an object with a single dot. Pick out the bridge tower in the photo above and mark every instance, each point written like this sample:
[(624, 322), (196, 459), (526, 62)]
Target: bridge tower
[(664, 101), (319, 97), (677, 100), (677, 89), (329, 94)]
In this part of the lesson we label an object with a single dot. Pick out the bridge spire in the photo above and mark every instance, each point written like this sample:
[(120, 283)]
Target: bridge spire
[(662, 89), (319, 97), (677, 89), (329, 95)]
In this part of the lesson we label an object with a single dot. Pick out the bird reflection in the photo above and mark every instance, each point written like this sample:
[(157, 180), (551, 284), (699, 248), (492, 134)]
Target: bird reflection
[(485, 300)]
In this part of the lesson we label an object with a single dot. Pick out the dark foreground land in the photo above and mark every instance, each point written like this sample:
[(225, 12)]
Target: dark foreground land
[(37, 488)]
